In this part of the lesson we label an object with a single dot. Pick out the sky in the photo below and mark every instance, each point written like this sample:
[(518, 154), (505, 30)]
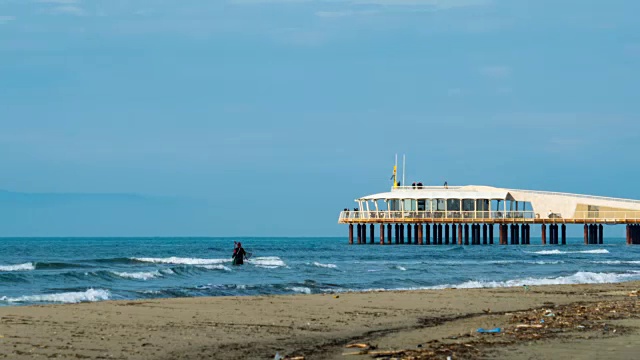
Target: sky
[(267, 117)]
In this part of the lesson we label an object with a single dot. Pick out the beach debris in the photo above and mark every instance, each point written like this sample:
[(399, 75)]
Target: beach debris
[(360, 346), (487, 311), (529, 326), (336, 296), (489, 331), (278, 356), (634, 293)]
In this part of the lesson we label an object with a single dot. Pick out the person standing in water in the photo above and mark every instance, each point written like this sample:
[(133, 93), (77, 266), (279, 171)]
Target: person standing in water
[(238, 254)]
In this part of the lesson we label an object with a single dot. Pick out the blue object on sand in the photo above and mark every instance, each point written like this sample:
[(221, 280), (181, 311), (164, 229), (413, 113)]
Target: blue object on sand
[(496, 330)]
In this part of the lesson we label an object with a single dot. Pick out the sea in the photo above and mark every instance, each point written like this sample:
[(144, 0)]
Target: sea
[(72, 270)]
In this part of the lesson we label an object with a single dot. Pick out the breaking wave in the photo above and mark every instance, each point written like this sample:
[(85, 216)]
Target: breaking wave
[(67, 298), (215, 267), (182, 261), (326, 266), (268, 262), (580, 277), (19, 267), (558, 252), (142, 275)]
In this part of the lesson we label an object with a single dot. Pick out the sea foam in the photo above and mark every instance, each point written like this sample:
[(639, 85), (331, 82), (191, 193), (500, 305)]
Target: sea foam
[(581, 277), (139, 275), (327, 266), (558, 252), (182, 261), (269, 262), (68, 297), (215, 267), (19, 267)]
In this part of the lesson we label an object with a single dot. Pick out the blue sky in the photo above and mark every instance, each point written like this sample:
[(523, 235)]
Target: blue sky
[(290, 109)]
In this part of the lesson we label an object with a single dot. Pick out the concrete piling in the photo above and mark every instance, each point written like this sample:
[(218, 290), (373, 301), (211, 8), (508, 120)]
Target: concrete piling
[(446, 234), (371, 234), (351, 234), (466, 234)]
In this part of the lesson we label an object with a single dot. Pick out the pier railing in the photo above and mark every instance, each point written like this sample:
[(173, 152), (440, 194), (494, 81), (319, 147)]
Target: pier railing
[(620, 216), (608, 215), (427, 215)]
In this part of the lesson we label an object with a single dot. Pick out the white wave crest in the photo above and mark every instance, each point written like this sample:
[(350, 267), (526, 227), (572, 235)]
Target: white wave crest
[(616, 262), (302, 290), (268, 262), (327, 266), (18, 267), (183, 261), (67, 298), (558, 252), (580, 277), (214, 267), (401, 268), (138, 275)]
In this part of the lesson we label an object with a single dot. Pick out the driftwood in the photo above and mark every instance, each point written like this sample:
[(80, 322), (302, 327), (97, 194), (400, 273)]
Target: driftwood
[(360, 346)]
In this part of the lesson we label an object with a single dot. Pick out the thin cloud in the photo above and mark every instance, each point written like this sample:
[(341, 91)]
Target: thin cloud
[(455, 92), (68, 10), (496, 71), (5, 19), (60, 2), (438, 4), (346, 13)]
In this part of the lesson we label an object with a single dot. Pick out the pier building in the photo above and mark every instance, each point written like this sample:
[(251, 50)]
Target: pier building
[(471, 215)]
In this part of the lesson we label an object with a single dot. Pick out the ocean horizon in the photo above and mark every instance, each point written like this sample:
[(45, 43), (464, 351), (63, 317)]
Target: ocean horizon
[(81, 269)]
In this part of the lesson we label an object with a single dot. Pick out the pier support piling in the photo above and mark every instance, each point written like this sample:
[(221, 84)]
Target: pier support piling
[(543, 234), (351, 234), (439, 234), (600, 234), (389, 227), (381, 234), (460, 238), (523, 234), (484, 234), (586, 234), (409, 237), (364, 234), (401, 234), (372, 234), (473, 234), (564, 234), (446, 234), (427, 234), (454, 237), (435, 234), (628, 234), (466, 234), (420, 237)]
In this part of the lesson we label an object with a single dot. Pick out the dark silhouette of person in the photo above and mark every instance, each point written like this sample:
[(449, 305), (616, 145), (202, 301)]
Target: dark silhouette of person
[(238, 254)]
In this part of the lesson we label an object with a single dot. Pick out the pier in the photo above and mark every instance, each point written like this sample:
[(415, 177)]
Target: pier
[(472, 215)]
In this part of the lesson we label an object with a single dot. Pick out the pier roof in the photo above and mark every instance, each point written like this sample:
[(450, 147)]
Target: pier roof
[(458, 192)]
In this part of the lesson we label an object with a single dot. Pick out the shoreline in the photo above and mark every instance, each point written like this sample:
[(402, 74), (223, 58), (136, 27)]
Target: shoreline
[(315, 326)]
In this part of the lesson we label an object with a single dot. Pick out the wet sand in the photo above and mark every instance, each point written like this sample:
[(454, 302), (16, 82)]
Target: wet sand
[(602, 322)]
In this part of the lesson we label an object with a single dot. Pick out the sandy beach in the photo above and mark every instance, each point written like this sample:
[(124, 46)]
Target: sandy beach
[(582, 322)]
